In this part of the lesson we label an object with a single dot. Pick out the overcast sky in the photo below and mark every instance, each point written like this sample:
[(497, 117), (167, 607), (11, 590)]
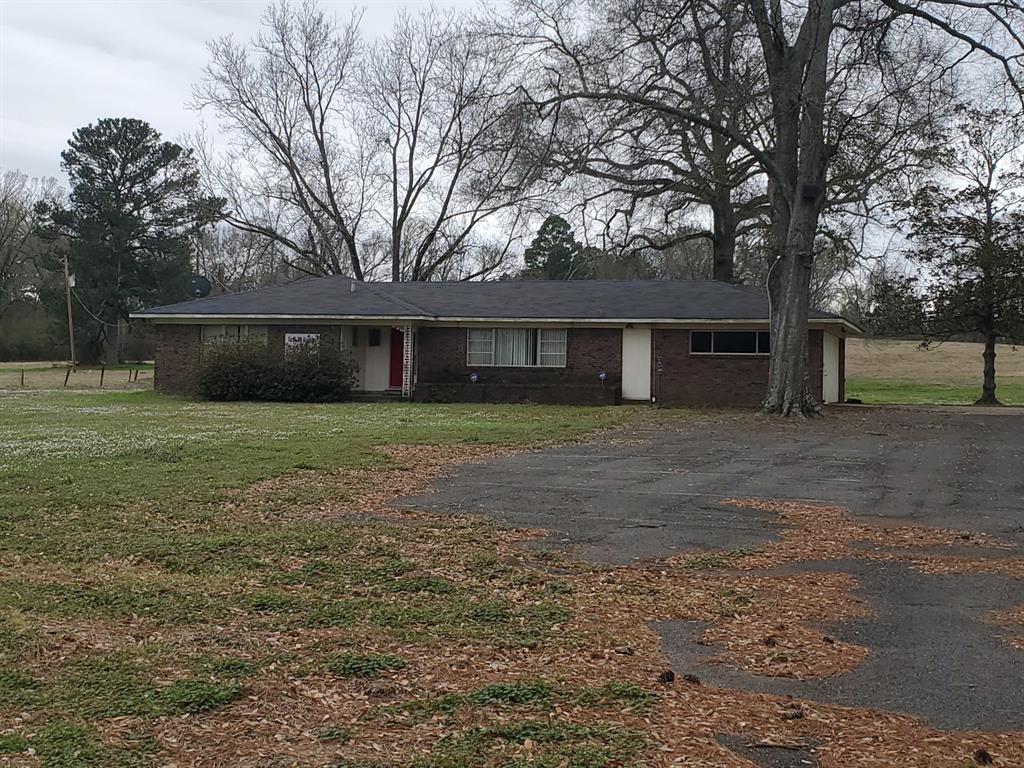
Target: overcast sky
[(66, 63)]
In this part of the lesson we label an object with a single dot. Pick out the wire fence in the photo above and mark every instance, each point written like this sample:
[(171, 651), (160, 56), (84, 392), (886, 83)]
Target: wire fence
[(42, 376)]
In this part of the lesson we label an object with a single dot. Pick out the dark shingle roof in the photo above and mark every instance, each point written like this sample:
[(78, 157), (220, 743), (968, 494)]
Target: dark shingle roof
[(628, 300)]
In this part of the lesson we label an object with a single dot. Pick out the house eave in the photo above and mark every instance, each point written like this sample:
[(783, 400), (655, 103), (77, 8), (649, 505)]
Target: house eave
[(202, 318)]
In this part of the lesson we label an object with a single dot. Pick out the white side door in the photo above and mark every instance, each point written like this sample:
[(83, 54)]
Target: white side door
[(636, 363), (830, 368)]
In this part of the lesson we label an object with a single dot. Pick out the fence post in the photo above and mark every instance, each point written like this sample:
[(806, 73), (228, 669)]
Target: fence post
[(22, 378), (103, 370), (67, 375)]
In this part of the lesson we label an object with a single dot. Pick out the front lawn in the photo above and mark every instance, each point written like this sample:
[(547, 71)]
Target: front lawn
[(164, 561), (204, 585)]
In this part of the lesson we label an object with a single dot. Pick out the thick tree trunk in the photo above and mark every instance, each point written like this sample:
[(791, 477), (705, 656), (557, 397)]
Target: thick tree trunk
[(798, 86), (988, 386), (789, 292), (723, 243)]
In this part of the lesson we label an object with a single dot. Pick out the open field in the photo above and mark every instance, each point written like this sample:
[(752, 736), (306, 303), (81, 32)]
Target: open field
[(947, 374), (52, 376)]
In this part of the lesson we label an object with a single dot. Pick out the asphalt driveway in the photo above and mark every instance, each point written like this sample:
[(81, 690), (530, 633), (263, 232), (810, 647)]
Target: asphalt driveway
[(656, 490)]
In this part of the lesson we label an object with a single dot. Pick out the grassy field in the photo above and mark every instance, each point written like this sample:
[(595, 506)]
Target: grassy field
[(53, 375), (948, 374), (163, 562)]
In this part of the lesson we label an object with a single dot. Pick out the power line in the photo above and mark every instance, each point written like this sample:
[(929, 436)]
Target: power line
[(93, 316)]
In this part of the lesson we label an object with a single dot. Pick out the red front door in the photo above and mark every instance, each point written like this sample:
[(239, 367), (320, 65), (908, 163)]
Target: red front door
[(397, 357)]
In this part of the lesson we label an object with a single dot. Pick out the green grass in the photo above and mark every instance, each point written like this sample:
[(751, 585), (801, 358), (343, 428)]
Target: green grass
[(901, 392), (364, 664), (130, 517), (555, 745), (551, 744), (536, 694)]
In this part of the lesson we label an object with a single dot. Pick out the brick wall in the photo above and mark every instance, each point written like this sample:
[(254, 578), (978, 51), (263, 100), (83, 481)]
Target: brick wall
[(179, 348), (718, 380), (177, 353), (443, 374), (816, 363)]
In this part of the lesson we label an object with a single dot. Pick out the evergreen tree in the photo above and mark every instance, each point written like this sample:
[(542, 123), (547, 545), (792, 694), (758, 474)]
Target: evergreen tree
[(126, 227), (555, 253)]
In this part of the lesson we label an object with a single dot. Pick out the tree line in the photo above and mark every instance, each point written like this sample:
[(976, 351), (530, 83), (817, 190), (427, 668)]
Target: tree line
[(822, 151)]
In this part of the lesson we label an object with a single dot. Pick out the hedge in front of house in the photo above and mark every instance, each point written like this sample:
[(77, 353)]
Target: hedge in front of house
[(251, 370)]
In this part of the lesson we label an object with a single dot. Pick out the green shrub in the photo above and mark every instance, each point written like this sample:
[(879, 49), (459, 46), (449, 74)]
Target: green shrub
[(252, 370)]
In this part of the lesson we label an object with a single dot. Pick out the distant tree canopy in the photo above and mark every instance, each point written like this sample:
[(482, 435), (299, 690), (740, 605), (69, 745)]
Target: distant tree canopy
[(125, 229), (555, 254), (894, 307)]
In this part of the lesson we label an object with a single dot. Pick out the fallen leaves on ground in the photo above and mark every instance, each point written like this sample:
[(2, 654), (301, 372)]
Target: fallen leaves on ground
[(294, 712)]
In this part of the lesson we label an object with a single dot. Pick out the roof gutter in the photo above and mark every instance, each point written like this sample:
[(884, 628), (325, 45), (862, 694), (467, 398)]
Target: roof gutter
[(181, 318)]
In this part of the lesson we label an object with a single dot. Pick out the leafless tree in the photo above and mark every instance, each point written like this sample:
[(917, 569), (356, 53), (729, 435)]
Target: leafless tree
[(442, 105), (19, 241), (401, 158), (293, 171), (238, 260), (656, 169), (836, 72)]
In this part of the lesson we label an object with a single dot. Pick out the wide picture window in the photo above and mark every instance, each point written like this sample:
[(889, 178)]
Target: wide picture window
[(516, 347), (730, 342)]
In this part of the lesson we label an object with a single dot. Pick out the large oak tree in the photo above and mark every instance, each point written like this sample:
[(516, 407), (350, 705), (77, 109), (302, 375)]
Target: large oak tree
[(837, 73)]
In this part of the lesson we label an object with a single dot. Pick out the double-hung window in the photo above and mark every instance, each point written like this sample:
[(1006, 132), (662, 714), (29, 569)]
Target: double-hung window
[(516, 347), (730, 342)]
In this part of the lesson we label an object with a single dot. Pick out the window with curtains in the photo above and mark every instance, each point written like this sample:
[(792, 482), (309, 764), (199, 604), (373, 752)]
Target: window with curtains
[(516, 347)]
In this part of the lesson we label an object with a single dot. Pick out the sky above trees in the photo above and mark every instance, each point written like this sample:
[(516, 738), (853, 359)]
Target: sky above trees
[(66, 63)]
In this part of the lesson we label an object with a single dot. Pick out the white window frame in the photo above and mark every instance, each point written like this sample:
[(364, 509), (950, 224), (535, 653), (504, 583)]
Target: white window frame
[(714, 353), (548, 347), (481, 348), (558, 337)]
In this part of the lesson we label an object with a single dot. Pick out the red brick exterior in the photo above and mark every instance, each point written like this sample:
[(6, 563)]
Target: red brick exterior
[(179, 349), (718, 380), (443, 375), (816, 363), (177, 353)]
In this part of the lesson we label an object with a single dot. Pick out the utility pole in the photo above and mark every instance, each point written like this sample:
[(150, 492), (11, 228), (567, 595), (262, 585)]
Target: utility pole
[(71, 323)]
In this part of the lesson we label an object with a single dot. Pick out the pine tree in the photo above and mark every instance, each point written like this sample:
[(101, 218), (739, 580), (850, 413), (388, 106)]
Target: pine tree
[(126, 227), (555, 253)]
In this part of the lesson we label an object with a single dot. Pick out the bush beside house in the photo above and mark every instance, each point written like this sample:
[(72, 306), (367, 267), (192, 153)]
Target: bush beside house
[(302, 373)]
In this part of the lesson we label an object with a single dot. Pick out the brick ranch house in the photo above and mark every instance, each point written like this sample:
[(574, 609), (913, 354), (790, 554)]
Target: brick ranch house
[(585, 342)]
